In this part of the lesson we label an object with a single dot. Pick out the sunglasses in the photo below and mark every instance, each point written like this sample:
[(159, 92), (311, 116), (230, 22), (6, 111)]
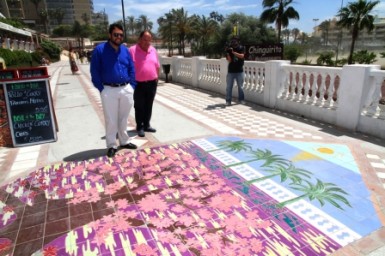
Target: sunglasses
[(117, 35)]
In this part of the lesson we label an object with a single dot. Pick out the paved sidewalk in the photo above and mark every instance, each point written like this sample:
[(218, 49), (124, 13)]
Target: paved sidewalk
[(183, 113)]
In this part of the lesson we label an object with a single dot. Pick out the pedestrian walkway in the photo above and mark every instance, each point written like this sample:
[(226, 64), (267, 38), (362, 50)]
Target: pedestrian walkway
[(213, 179)]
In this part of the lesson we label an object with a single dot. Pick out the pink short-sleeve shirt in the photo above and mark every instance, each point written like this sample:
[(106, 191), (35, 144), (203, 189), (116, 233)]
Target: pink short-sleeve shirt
[(146, 63)]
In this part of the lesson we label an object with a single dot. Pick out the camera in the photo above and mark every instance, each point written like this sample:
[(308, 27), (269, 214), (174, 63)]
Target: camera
[(229, 50)]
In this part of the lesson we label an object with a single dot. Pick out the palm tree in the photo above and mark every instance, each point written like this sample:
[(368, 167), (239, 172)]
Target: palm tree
[(285, 172), (356, 17), (166, 31), (289, 172), (203, 29), (260, 155), (280, 12), (233, 146), (295, 32), (324, 27), (323, 192), (44, 19), (57, 14), (218, 17), (183, 27), (36, 3), (85, 18), (131, 24), (143, 23)]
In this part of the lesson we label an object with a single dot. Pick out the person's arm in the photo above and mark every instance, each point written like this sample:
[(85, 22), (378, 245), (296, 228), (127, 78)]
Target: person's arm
[(131, 70), (95, 69)]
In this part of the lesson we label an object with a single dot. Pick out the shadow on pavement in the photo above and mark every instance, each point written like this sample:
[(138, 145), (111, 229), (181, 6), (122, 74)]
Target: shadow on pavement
[(85, 155)]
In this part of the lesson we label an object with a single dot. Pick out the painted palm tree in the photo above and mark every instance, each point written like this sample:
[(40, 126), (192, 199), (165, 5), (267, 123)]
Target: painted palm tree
[(267, 156), (356, 17), (290, 172), (232, 146), (323, 192), (278, 12)]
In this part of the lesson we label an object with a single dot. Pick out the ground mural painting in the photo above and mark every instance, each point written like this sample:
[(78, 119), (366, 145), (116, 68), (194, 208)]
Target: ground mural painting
[(211, 196)]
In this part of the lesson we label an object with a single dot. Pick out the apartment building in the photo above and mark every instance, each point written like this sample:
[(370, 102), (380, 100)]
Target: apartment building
[(330, 34), (58, 12)]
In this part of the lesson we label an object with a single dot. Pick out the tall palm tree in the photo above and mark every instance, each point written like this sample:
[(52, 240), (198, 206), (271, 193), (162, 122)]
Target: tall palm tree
[(356, 17), (166, 30), (323, 192), (325, 27), (131, 24), (203, 29), (183, 27), (43, 14), (36, 3), (295, 32), (85, 18), (144, 23), (280, 12), (57, 14)]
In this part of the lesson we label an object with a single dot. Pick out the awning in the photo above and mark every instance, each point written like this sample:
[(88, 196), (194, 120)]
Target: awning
[(4, 26)]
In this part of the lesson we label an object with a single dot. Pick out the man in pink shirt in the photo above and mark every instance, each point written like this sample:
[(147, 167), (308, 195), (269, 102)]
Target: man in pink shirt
[(147, 66)]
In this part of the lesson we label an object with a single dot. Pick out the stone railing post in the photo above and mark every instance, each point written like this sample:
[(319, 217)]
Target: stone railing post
[(196, 66), (224, 66), (175, 65), (274, 77), (352, 93)]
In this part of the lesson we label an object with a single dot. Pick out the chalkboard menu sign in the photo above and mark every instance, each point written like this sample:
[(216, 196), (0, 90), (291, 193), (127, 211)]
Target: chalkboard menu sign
[(30, 111)]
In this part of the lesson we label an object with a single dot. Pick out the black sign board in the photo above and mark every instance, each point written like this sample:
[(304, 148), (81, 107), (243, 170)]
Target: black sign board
[(30, 111), (264, 52)]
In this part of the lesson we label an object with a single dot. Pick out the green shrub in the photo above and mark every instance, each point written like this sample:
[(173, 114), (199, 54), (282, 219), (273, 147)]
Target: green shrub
[(292, 52), (325, 58), (52, 49), (364, 57), (16, 57)]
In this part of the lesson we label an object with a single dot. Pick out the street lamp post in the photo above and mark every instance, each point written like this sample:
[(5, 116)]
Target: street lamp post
[(124, 23), (339, 42), (315, 26)]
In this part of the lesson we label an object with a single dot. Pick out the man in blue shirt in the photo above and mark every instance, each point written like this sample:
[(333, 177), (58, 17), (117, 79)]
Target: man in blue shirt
[(113, 74)]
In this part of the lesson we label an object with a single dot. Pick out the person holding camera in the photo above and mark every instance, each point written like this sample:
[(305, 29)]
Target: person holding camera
[(235, 55)]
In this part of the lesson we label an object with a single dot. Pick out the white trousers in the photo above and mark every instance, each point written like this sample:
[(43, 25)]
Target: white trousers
[(117, 103)]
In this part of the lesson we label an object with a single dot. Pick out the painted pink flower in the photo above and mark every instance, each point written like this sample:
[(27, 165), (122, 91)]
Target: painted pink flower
[(145, 250), (152, 202), (186, 220), (50, 251), (122, 203)]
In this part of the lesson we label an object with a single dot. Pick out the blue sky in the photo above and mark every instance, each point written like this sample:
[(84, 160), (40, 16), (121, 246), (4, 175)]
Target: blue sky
[(153, 9)]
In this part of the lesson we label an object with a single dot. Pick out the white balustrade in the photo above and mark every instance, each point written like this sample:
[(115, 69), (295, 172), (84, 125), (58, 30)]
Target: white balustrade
[(372, 105), (328, 94)]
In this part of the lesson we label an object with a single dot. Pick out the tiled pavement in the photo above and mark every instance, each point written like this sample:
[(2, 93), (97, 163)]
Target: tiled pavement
[(246, 121)]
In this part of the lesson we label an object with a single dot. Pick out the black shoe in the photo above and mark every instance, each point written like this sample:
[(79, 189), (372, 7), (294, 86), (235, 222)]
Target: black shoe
[(111, 152), (150, 129), (141, 133), (129, 146)]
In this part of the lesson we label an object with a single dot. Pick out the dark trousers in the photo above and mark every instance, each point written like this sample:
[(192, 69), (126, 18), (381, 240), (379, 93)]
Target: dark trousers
[(144, 95)]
